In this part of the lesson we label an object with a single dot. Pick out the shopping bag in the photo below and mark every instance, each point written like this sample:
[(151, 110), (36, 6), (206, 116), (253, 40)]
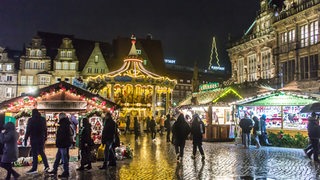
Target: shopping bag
[(100, 152)]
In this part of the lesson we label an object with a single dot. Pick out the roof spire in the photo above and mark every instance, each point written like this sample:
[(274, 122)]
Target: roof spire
[(133, 50)]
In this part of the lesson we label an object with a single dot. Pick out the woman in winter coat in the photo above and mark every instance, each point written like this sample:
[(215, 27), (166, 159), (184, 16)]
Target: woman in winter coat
[(86, 144), (63, 143), (180, 130), (9, 138), (197, 131)]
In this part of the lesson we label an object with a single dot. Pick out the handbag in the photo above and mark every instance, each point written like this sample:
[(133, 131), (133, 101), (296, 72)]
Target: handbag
[(100, 151)]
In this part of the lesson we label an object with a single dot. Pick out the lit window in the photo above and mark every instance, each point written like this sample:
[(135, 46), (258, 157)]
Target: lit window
[(32, 53), (89, 70), (69, 54), (96, 58), (30, 80), (42, 65), (304, 36), (58, 65), (9, 67), (314, 32), (181, 80), (252, 65), (35, 65), (38, 53), (65, 65), (0, 66), (23, 80), (292, 35), (28, 65), (188, 81), (240, 70), (138, 51), (63, 54), (44, 80), (72, 66), (9, 92)]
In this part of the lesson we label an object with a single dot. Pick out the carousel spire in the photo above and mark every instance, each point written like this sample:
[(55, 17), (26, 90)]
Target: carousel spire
[(133, 50)]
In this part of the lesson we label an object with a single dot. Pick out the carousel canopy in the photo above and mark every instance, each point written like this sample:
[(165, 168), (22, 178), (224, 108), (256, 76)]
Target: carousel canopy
[(131, 72), (44, 93), (215, 96), (278, 98)]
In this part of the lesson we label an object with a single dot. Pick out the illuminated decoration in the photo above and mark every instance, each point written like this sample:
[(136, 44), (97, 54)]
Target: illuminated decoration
[(170, 61), (209, 86), (133, 86), (59, 92), (223, 96), (278, 98), (214, 50), (217, 68)]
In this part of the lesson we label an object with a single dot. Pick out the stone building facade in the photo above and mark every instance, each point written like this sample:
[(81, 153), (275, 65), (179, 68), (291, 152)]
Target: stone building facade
[(281, 46), (8, 77)]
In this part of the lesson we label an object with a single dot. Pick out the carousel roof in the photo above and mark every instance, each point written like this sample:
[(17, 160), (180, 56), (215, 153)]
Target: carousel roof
[(215, 96), (56, 87), (278, 98), (132, 71)]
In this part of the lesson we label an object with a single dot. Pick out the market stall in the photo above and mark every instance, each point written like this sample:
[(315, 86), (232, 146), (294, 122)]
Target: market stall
[(281, 108), (50, 101), (213, 107)]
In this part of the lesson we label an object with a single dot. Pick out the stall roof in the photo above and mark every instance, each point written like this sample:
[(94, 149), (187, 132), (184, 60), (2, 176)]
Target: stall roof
[(224, 95), (278, 99), (55, 87)]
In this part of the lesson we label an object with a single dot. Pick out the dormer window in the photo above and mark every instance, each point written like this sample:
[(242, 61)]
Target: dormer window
[(96, 58), (69, 54), (63, 54), (138, 51), (9, 67)]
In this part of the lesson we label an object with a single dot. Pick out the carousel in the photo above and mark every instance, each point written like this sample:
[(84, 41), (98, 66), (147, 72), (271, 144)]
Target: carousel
[(138, 91)]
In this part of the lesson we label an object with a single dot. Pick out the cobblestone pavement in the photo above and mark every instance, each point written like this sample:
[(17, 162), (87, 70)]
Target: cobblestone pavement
[(156, 160)]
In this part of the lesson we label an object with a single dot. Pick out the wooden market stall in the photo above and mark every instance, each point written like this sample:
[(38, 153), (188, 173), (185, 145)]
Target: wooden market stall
[(281, 108), (214, 109), (56, 98)]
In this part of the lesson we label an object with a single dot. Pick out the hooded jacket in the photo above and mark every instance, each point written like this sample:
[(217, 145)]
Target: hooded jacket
[(9, 139), (63, 139), (180, 129)]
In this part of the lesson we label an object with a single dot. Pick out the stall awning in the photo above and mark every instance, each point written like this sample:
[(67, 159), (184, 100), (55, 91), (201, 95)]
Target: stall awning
[(278, 99), (223, 95)]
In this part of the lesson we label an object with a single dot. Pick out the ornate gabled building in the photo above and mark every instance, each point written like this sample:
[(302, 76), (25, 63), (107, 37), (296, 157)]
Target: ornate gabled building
[(35, 66), (281, 46), (65, 65), (96, 63), (298, 48), (251, 57), (8, 76)]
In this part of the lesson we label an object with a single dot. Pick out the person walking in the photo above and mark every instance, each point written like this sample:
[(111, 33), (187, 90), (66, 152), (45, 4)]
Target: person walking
[(180, 131), (127, 125), (108, 137), (168, 126), (197, 131), (148, 124), (63, 143), (153, 125), (314, 136), (85, 145), (264, 133), (9, 137), (257, 130), (136, 128), (246, 125), (37, 131)]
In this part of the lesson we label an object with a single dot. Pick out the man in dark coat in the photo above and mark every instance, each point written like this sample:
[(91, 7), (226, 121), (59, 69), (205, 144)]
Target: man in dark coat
[(197, 131), (108, 137), (37, 131), (9, 138), (63, 143), (180, 130), (153, 130), (246, 125), (136, 128), (167, 125), (127, 125), (314, 136)]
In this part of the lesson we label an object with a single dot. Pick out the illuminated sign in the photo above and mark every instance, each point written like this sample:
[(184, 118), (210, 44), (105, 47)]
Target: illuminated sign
[(209, 86), (217, 68), (62, 105), (170, 61)]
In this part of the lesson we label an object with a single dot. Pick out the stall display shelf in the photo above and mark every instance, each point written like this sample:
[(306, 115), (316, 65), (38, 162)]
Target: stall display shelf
[(96, 125)]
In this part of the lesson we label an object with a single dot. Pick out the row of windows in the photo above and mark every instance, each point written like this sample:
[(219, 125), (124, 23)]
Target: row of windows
[(43, 80), (308, 35), (96, 70), (6, 67), (66, 54), (34, 65), (35, 53), (183, 87), (181, 81), (65, 66), (6, 78), (309, 67)]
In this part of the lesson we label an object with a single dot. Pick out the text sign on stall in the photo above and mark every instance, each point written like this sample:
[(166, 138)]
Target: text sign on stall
[(65, 105)]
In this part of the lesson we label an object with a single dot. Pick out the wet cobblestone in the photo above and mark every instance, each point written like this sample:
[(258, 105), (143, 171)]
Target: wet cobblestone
[(156, 160)]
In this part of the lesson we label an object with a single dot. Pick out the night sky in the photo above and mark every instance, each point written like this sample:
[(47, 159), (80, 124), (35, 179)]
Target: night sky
[(185, 27)]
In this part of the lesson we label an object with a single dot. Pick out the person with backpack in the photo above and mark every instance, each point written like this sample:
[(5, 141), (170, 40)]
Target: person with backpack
[(197, 131)]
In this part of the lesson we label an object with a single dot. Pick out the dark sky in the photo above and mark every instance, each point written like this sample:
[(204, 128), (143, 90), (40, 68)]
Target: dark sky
[(185, 27)]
